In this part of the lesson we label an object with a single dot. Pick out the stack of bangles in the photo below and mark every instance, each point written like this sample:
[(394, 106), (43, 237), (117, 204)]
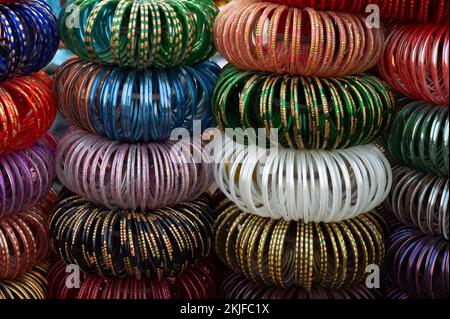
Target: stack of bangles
[(410, 10), (135, 106), (318, 113), (415, 62), (271, 37), (308, 185), (26, 176), (287, 253), (118, 243), (140, 34), (132, 176), (196, 282), (27, 110), (24, 240), (419, 137), (418, 264), (29, 285), (420, 200), (28, 37), (236, 286)]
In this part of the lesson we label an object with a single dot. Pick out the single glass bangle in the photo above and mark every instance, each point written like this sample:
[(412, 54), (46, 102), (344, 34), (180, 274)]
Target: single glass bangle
[(132, 176), (29, 285), (140, 34), (135, 106), (144, 244), (308, 113), (309, 185)]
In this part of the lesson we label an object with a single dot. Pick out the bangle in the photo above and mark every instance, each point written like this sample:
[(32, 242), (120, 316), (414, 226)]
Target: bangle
[(286, 253), (276, 38), (132, 176), (392, 292), (415, 62), (140, 34), (307, 112), (23, 238), (26, 176), (418, 263), (419, 137), (29, 285), (236, 286), (27, 110), (289, 184), (420, 200), (196, 282), (145, 244), (28, 37), (135, 106)]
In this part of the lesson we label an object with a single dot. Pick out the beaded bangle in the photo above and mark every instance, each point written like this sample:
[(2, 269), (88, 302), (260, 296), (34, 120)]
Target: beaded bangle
[(132, 176), (307, 112), (411, 10), (30, 285), (236, 286), (415, 61), (140, 34), (23, 238), (290, 184), (419, 137), (196, 282), (286, 253), (135, 106), (420, 200), (418, 264), (26, 176), (147, 244), (27, 110), (276, 38), (28, 37)]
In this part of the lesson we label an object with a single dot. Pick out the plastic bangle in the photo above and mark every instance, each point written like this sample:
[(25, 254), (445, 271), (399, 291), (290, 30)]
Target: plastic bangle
[(135, 106), (144, 244), (27, 110), (26, 176), (307, 112), (140, 34), (290, 184)]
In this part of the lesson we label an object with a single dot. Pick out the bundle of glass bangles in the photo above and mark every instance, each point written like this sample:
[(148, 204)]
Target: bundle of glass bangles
[(135, 106), (354, 109), (29, 285), (140, 34), (196, 282)]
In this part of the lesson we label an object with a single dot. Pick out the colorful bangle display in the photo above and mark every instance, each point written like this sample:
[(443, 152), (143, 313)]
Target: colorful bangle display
[(140, 34), (27, 110), (236, 286), (196, 282), (135, 106), (23, 238), (415, 61), (147, 244), (309, 185), (286, 253), (308, 112), (26, 176), (435, 11), (30, 285), (276, 38), (419, 137), (28, 37), (418, 264), (132, 176), (420, 200)]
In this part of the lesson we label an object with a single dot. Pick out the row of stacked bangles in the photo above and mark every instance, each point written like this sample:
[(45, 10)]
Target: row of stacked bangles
[(316, 160)]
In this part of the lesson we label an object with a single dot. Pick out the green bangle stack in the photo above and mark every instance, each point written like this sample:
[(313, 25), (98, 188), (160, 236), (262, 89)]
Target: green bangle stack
[(419, 137), (140, 34), (309, 113)]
